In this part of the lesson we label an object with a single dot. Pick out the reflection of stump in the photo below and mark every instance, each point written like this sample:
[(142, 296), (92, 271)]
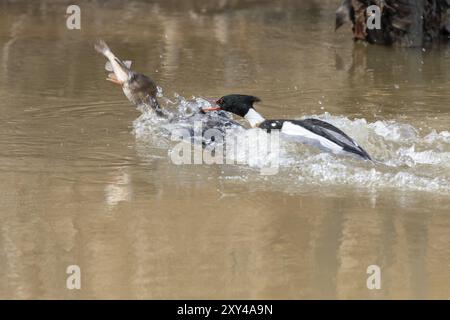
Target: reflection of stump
[(405, 22)]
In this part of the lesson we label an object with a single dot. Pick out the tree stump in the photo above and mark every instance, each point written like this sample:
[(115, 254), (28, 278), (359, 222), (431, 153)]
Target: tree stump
[(408, 23)]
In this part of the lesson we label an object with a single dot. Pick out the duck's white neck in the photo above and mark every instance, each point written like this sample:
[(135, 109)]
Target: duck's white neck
[(254, 118)]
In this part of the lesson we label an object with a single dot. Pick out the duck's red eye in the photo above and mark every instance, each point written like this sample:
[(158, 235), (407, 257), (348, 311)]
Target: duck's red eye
[(219, 102)]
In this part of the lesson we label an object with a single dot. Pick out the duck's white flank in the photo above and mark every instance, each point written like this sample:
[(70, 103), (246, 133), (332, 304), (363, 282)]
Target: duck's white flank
[(294, 130)]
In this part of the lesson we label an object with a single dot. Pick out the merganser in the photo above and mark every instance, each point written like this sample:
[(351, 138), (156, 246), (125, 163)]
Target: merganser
[(142, 91), (309, 131), (137, 87)]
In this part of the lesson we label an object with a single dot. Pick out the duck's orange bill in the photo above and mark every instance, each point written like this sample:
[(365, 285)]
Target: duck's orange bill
[(211, 109)]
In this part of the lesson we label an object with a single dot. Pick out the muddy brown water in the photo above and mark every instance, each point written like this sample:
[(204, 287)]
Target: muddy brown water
[(83, 183)]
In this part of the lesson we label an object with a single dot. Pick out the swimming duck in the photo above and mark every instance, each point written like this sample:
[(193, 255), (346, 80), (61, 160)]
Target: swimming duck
[(309, 131)]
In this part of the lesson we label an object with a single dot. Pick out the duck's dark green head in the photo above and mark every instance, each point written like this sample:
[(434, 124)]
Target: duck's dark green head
[(238, 104)]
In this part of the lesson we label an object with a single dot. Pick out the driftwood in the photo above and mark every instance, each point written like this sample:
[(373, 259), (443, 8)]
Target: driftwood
[(405, 22)]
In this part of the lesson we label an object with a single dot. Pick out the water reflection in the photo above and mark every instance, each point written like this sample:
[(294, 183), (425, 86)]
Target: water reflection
[(78, 187)]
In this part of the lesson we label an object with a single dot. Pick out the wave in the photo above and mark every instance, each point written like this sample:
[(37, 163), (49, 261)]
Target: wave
[(405, 158)]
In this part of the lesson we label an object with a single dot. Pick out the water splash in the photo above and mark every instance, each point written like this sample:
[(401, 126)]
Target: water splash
[(406, 159)]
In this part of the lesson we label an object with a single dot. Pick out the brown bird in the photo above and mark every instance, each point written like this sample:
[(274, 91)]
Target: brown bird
[(137, 87)]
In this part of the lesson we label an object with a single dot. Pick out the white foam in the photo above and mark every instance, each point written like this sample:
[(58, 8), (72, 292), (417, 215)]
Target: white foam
[(409, 159)]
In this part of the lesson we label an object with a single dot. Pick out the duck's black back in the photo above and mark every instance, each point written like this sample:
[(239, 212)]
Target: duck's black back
[(323, 129)]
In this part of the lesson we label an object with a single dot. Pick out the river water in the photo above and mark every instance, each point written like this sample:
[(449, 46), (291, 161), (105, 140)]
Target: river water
[(88, 180)]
